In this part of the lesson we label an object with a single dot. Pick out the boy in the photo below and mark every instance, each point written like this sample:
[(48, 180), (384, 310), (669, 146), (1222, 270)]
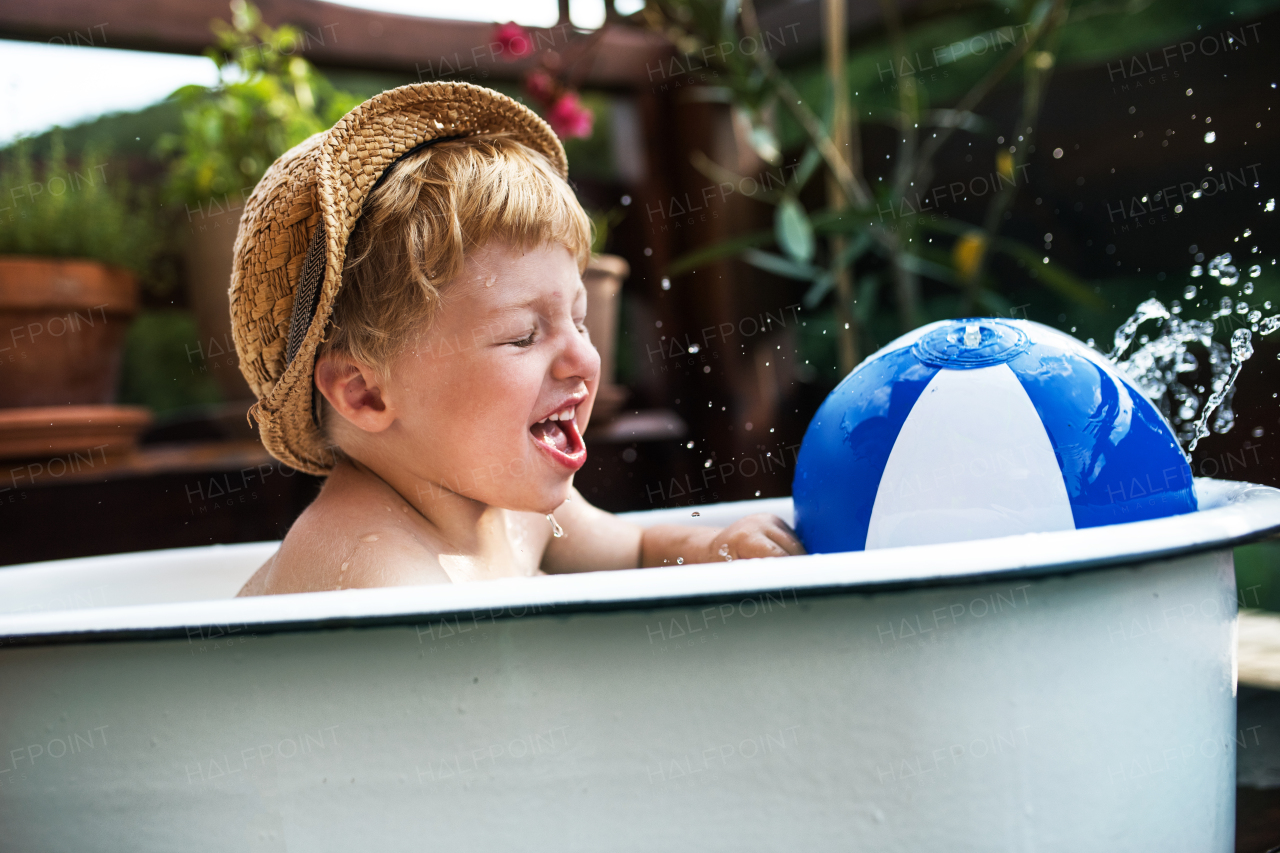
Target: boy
[(419, 265)]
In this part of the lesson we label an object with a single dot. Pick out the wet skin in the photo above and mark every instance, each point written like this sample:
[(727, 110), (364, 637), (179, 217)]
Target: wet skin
[(473, 437)]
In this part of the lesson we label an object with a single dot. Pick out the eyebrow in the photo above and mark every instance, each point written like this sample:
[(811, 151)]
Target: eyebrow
[(510, 309)]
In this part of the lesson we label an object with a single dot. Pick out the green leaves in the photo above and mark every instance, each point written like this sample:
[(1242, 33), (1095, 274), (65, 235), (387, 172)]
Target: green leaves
[(266, 102), (80, 208), (779, 265), (793, 230)]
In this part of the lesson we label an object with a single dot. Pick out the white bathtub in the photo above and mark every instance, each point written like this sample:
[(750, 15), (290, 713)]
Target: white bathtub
[(1067, 691)]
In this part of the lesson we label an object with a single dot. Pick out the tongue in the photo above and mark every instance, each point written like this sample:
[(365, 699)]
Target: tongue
[(552, 434)]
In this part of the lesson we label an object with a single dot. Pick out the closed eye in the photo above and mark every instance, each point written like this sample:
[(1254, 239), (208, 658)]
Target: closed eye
[(524, 342)]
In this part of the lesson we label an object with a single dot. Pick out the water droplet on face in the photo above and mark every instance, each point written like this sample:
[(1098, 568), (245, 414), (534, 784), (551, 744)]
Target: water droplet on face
[(679, 561), (724, 552), (372, 537)]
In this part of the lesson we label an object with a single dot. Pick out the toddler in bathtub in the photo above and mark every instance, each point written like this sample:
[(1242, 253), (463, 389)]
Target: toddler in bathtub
[(438, 304)]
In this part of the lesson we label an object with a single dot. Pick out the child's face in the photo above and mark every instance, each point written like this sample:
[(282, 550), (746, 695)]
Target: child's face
[(508, 349)]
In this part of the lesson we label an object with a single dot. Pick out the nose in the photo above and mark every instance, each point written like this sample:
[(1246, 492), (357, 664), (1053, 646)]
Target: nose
[(578, 357)]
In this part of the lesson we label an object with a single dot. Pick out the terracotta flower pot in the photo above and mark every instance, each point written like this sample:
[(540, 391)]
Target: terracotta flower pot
[(603, 280), (62, 328), (210, 254)]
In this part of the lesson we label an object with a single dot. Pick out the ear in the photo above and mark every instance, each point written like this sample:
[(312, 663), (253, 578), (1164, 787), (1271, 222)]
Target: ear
[(354, 392)]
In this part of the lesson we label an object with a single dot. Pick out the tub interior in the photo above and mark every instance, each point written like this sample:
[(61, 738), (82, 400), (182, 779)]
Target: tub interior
[(217, 572)]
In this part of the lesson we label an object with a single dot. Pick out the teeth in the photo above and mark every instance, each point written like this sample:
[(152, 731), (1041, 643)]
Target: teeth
[(566, 415)]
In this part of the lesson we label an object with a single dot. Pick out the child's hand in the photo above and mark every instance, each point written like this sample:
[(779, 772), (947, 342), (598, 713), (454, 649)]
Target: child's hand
[(759, 535)]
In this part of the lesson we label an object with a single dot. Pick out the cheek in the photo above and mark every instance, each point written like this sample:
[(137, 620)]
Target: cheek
[(503, 395)]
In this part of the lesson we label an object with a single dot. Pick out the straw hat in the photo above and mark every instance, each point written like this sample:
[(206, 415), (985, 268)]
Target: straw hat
[(293, 240)]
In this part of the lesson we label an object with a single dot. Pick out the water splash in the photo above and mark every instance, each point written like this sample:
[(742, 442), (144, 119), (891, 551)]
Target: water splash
[(1161, 360), (1148, 310), (1241, 350), (556, 530)]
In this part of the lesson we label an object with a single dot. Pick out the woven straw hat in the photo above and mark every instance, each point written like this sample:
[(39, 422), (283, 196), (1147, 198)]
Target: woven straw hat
[(293, 240)]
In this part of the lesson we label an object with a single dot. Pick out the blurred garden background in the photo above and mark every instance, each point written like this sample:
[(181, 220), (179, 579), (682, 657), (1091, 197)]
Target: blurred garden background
[(779, 187)]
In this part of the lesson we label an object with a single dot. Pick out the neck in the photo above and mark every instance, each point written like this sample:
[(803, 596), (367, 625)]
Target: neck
[(471, 527)]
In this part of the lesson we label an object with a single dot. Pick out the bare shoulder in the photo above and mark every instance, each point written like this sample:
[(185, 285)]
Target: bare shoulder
[(354, 536)]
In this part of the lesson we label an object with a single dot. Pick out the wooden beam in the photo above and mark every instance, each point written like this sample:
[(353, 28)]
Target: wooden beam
[(332, 36)]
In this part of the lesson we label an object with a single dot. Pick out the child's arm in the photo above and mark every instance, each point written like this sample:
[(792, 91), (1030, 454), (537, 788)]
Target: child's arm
[(596, 540)]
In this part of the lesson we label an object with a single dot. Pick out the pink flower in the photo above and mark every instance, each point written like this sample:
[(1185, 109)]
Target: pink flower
[(569, 118), (540, 86), (513, 41)]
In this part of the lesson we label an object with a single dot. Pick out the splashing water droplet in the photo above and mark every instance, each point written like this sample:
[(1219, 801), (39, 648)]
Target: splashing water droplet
[(1190, 292), (1210, 136), (1269, 325), (666, 284), (972, 335), (1241, 350), (1242, 307), (1159, 363), (694, 348), (1270, 206), (1196, 272), (757, 493), (1151, 309), (1255, 271), (556, 530), (1222, 269)]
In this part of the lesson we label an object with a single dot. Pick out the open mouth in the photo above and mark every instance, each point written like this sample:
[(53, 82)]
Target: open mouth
[(558, 435)]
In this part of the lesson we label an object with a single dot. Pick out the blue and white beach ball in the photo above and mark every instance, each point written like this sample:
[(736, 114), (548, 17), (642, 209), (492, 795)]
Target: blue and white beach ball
[(975, 428)]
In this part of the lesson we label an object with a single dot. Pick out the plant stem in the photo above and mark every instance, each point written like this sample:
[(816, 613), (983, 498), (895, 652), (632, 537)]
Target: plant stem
[(849, 183), (1035, 82), (837, 201)]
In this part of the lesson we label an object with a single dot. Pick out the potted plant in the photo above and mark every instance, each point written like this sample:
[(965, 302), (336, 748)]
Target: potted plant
[(73, 241), (267, 100)]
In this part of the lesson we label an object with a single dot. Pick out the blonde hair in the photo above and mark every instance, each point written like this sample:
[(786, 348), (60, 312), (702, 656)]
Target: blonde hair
[(431, 209)]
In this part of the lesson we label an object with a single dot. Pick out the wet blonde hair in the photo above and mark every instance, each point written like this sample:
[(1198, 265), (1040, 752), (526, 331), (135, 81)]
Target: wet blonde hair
[(433, 208)]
